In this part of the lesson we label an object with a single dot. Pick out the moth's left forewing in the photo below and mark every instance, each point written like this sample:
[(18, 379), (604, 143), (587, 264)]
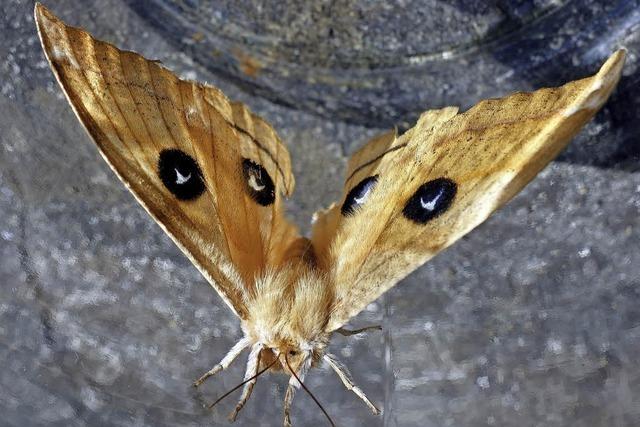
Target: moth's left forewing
[(186, 153), (454, 171)]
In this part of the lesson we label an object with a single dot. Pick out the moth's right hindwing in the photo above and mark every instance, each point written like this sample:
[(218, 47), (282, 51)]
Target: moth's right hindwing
[(440, 180), (182, 149)]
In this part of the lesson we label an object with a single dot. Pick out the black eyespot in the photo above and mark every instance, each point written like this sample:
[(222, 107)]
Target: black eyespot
[(430, 200), (181, 175), (259, 183), (292, 352), (358, 195)]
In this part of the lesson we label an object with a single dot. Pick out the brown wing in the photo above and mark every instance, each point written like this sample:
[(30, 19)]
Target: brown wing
[(211, 173), (450, 172)]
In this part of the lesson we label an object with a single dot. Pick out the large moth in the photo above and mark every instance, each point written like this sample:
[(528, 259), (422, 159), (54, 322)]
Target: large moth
[(214, 176)]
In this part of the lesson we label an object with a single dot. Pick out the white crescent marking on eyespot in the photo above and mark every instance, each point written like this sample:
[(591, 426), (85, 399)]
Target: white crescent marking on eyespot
[(360, 200), (254, 184), (431, 205), (181, 179)]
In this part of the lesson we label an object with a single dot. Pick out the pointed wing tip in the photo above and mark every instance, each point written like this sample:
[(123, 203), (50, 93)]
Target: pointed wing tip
[(600, 86), (620, 53), (617, 59), (43, 16), (47, 24), (611, 70), (39, 12), (38, 9), (43, 19)]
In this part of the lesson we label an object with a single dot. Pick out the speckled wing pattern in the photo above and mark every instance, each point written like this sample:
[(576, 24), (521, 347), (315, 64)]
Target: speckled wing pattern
[(441, 179), (143, 118)]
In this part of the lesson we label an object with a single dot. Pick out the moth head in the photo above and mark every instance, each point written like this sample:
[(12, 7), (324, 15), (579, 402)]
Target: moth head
[(291, 346), (286, 356)]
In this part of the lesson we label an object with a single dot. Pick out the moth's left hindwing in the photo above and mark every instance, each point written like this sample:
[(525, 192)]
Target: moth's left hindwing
[(211, 173), (407, 198)]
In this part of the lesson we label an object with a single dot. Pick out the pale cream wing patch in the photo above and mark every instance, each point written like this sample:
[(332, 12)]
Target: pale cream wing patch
[(452, 172), (137, 111)]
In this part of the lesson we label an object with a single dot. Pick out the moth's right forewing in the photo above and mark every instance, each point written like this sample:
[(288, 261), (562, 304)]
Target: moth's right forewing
[(451, 174)]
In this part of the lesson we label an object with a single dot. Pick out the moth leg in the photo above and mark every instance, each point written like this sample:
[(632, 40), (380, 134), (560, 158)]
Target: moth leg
[(288, 398), (226, 360), (345, 376), (253, 364), (348, 333), (291, 389)]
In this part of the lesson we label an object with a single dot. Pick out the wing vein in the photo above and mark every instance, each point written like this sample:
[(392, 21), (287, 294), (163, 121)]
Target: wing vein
[(372, 161), (95, 96)]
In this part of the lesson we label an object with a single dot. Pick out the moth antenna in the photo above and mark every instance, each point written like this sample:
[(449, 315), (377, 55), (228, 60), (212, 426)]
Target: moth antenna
[(253, 364), (345, 377), (243, 383), (347, 333), (294, 382), (226, 360), (290, 391)]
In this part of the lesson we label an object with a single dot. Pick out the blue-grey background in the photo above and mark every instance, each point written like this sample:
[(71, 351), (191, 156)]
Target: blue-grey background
[(533, 319)]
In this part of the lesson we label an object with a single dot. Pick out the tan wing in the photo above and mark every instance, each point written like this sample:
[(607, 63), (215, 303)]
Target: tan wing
[(444, 177), (211, 173)]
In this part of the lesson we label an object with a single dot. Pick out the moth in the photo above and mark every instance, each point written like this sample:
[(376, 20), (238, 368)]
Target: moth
[(214, 176)]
